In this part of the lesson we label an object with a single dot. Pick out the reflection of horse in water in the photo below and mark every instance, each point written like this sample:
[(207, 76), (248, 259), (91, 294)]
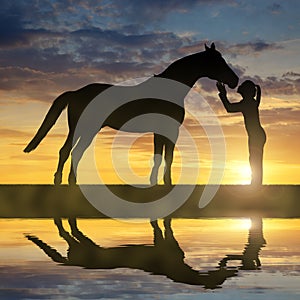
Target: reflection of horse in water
[(250, 257), (186, 70), (164, 257)]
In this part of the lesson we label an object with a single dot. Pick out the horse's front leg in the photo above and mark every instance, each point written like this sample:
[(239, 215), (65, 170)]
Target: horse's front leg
[(64, 234), (73, 172), (169, 153), (158, 149), (169, 150), (158, 236)]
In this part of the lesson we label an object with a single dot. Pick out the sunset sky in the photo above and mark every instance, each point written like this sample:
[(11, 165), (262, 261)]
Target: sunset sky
[(48, 47)]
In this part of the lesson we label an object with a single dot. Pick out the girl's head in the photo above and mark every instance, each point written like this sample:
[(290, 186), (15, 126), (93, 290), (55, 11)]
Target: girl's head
[(247, 88)]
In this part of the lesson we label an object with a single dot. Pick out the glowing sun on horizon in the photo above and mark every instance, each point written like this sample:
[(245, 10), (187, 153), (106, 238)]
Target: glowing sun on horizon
[(244, 224), (244, 174)]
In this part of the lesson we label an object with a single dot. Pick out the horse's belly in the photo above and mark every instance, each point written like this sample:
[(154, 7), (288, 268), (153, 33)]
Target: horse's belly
[(146, 115)]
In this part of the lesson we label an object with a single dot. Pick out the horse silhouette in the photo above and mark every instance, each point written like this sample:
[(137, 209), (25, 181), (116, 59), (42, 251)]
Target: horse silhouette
[(164, 257), (250, 256), (186, 71)]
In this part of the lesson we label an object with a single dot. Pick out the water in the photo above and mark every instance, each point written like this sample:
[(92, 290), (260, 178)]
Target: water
[(234, 260)]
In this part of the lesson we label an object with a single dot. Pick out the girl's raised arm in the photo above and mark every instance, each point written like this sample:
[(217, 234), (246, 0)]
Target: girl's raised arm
[(230, 107)]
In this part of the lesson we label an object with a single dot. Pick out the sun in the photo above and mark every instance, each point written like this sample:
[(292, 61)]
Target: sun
[(244, 173), (244, 224)]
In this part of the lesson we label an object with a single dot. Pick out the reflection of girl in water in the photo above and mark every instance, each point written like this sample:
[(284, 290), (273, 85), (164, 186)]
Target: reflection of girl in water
[(250, 257), (248, 106)]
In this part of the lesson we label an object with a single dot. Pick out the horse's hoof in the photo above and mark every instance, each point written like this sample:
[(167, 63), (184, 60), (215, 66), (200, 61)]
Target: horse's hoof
[(72, 181), (167, 182), (57, 179), (153, 182)]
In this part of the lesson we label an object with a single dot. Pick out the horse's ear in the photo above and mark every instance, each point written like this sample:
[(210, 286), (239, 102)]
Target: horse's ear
[(206, 47), (213, 47)]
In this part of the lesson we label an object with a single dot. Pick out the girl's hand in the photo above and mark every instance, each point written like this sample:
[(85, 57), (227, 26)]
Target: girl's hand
[(221, 88)]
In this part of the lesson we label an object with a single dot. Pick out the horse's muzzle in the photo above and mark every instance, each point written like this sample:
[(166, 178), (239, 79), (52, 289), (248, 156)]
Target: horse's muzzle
[(233, 83)]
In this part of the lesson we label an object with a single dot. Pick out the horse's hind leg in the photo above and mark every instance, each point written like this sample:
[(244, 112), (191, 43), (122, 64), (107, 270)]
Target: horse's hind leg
[(64, 153), (77, 153), (158, 149)]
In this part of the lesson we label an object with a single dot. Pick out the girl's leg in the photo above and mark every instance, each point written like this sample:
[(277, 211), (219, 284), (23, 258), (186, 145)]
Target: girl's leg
[(256, 169), (256, 163)]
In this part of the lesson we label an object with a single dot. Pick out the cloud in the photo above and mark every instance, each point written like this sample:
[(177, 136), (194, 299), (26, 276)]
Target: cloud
[(248, 48), (286, 84), (274, 86), (16, 24), (275, 9), (61, 14), (25, 83), (47, 53), (42, 280), (48, 60), (137, 11), (11, 32), (90, 47), (291, 74), (282, 116), (60, 62), (94, 45), (251, 47)]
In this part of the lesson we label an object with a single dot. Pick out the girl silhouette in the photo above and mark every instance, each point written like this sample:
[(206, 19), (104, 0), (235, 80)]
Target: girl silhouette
[(248, 106)]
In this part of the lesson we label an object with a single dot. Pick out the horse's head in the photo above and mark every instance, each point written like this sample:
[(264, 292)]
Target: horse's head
[(216, 67)]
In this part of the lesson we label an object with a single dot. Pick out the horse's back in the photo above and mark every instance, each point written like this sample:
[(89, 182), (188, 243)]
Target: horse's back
[(92, 89), (82, 97)]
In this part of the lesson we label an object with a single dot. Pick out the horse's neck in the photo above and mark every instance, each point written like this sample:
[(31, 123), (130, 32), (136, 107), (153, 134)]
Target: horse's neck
[(186, 70)]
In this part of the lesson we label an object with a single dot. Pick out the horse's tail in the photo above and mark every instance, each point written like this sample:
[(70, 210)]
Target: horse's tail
[(54, 112)]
